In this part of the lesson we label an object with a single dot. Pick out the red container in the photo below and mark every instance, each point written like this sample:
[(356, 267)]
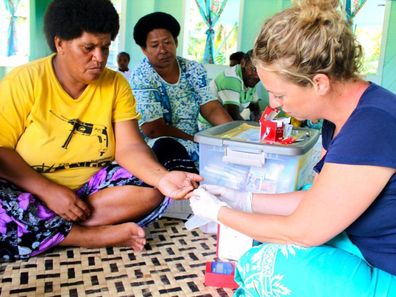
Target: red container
[(219, 280)]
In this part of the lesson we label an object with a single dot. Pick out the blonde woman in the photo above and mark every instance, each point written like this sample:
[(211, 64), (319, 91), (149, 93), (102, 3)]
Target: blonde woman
[(339, 237)]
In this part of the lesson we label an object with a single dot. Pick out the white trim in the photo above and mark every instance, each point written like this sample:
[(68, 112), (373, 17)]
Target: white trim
[(121, 33), (241, 10), (186, 9)]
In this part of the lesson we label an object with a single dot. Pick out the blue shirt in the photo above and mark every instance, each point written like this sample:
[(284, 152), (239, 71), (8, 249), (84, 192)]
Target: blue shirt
[(369, 138)]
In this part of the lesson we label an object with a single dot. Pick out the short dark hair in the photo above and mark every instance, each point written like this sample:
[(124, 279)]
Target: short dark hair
[(68, 19), (151, 21), (248, 56), (237, 56), (124, 54)]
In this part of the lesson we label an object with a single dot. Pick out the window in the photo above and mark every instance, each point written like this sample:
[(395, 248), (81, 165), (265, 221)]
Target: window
[(116, 44), (226, 32), (14, 40), (368, 30)]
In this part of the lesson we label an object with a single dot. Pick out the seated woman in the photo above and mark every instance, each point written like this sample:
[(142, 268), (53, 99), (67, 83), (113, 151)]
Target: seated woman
[(64, 120), (339, 237), (170, 91)]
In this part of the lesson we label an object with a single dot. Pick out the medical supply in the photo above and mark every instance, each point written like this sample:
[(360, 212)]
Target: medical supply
[(233, 156), (220, 274)]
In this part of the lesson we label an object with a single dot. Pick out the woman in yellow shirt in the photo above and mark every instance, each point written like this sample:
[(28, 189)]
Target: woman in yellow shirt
[(65, 119)]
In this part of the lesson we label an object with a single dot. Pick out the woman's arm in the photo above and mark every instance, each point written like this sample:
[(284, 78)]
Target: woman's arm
[(276, 204), (159, 128), (215, 113), (59, 199), (133, 154), (339, 195)]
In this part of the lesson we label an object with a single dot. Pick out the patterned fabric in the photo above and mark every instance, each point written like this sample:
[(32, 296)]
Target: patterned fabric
[(335, 269), (178, 104), (28, 227), (176, 158), (210, 11), (12, 7), (352, 7)]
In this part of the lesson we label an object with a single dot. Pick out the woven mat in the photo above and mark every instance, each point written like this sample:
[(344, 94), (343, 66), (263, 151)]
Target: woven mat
[(172, 264)]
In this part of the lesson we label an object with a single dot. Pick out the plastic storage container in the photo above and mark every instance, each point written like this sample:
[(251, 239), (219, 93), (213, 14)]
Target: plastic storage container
[(231, 155)]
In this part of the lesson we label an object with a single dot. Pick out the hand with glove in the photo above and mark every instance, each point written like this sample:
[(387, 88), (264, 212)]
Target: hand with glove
[(236, 199), (205, 205)]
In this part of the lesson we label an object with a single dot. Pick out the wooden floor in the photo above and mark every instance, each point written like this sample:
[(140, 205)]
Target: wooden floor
[(172, 264)]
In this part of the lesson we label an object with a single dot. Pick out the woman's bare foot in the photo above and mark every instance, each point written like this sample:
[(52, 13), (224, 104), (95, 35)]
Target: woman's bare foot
[(127, 234)]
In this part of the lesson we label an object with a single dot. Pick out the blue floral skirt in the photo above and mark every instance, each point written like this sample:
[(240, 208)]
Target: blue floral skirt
[(28, 227), (334, 269)]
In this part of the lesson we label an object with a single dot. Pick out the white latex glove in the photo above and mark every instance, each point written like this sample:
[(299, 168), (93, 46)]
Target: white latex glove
[(205, 205), (236, 199)]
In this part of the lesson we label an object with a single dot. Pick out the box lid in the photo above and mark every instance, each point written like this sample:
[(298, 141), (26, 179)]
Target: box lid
[(246, 134)]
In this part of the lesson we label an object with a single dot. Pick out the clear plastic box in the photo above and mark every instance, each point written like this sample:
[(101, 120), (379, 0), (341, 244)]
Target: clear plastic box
[(231, 155)]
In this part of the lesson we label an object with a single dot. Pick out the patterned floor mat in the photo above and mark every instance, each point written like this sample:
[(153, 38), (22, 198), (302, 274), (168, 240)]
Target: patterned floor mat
[(172, 264)]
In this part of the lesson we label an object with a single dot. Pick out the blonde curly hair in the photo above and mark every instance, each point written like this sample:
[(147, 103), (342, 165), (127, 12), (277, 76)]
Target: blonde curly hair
[(310, 37)]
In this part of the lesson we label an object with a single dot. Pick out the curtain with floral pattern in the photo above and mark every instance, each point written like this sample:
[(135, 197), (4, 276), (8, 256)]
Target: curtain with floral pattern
[(352, 7), (210, 11), (11, 7)]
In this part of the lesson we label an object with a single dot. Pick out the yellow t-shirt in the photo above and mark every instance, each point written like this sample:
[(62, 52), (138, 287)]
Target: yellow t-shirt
[(67, 140)]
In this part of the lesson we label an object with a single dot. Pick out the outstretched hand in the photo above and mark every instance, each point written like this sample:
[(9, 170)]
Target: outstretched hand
[(177, 184)]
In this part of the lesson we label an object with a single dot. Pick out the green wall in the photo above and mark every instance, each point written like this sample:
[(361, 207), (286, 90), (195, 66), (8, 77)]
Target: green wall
[(38, 43), (254, 13), (134, 10)]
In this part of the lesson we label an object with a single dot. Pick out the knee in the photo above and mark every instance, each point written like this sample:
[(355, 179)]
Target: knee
[(272, 258), (152, 198), (266, 268), (273, 266)]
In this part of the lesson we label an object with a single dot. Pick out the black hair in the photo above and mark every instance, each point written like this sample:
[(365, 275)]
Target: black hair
[(237, 56), (151, 21), (124, 54), (68, 19), (248, 56)]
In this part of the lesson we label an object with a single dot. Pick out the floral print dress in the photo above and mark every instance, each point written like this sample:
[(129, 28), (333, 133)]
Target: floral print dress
[(178, 104)]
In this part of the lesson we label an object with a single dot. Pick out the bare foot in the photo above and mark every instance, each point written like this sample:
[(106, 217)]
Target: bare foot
[(127, 234)]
